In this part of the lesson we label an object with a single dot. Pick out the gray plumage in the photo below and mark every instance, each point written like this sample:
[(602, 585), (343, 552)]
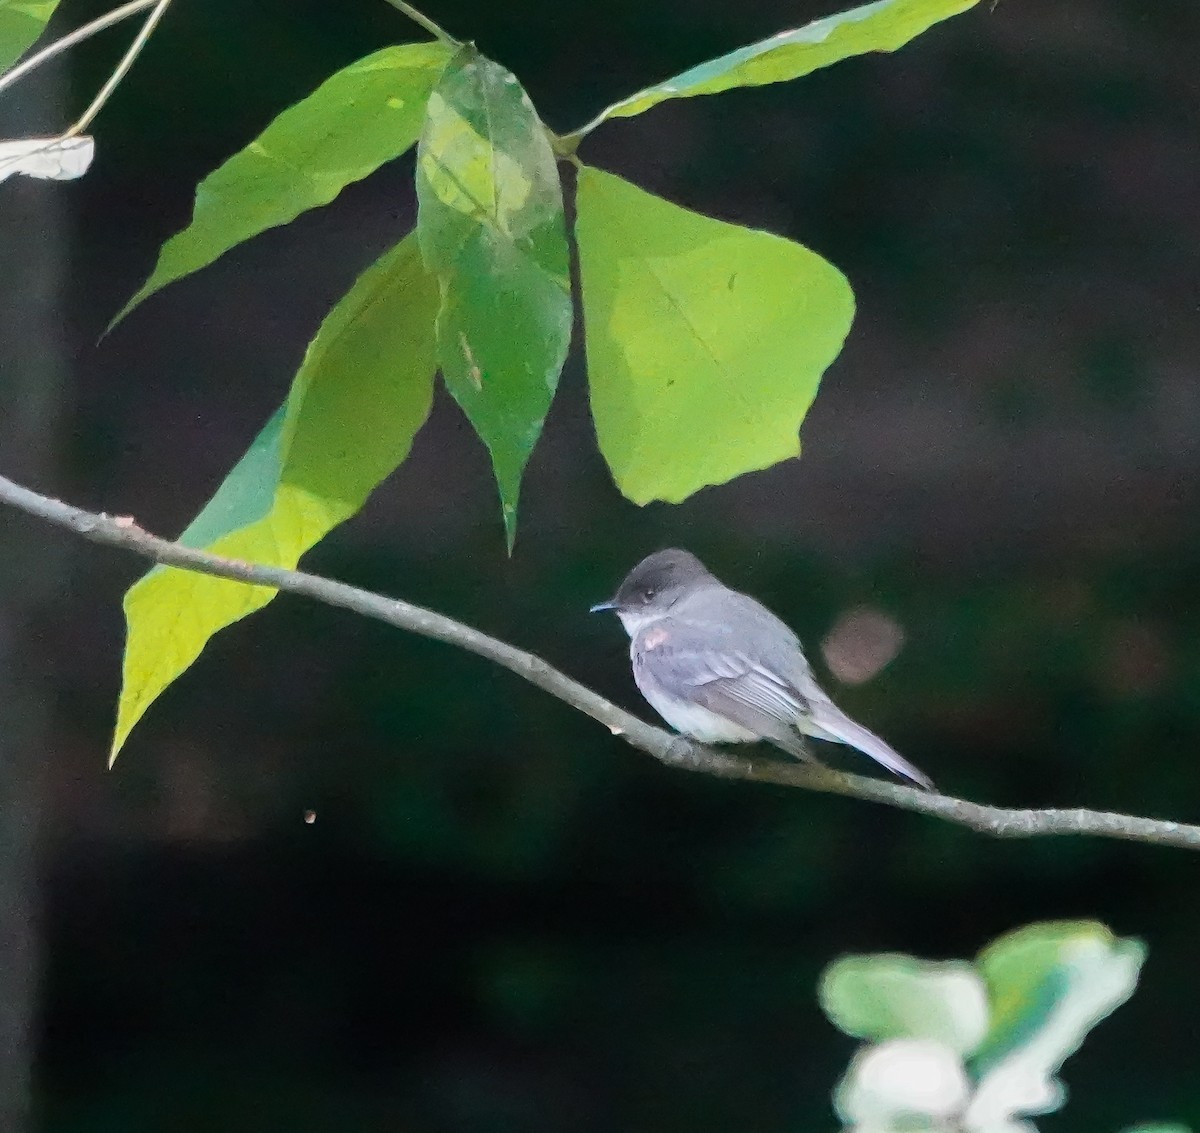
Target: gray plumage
[(720, 667)]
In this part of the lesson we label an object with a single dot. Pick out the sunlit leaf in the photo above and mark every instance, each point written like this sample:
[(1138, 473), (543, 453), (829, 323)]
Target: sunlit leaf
[(359, 397), (1048, 985), (898, 997), (705, 341), (883, 26), (354, 122), (21, 22), (52, 159), (492, 229)]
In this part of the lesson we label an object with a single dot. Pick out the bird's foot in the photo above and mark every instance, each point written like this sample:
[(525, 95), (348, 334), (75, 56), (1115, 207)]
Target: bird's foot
[(682, 752)]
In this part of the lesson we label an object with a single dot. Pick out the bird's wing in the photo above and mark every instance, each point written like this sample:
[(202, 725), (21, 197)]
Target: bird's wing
[(726, 682), (765, 685)]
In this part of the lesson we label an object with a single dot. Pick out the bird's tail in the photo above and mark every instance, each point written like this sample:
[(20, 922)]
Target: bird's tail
[(828, 722)]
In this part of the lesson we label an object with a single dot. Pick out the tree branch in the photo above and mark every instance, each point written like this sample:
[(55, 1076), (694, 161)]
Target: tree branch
[(673, 750)]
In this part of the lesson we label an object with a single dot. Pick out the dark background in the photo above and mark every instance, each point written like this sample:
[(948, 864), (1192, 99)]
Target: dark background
[(502, 918)]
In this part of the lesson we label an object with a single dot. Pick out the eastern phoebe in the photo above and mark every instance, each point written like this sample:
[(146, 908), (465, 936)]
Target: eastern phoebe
[(721, 668)]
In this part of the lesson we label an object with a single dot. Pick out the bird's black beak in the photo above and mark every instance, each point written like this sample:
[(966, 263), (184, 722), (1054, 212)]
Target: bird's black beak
[(599, 606)]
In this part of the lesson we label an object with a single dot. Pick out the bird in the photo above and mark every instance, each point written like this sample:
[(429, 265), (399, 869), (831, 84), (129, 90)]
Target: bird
[(720, 668)]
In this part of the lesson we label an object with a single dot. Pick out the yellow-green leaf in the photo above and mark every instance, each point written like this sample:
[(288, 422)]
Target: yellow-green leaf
[(882, 26), (21, 22), (1048, 985), (358, 119), (705, 341), (360, 396), (1032, 972)]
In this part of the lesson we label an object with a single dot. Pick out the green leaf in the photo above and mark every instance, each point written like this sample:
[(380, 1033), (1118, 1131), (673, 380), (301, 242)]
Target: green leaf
[(898, 997), (360, 396), (1048, 985), (492, 229), (705, 341), (354, 122), (883, 26), (21, 22)]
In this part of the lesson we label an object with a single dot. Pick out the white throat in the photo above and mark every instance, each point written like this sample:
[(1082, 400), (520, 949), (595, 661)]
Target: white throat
[(636, 620)]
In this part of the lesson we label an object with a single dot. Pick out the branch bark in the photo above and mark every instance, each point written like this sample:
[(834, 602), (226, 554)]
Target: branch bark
[(673, 750)]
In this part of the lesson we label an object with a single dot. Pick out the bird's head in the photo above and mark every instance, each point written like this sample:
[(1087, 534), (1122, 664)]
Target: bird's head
[(654, 586)]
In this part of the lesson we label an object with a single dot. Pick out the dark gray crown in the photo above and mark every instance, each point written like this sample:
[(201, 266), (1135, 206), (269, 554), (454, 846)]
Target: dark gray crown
[(662, 573)]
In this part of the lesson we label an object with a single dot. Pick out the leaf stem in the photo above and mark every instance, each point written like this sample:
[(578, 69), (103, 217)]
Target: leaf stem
[(563, 145), (77, 36), (424, 21), (570, 142), (120, 71)]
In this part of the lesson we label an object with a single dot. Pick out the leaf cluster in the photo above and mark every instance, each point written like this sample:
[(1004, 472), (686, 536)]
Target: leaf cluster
[(705, 341), (974, 1046)]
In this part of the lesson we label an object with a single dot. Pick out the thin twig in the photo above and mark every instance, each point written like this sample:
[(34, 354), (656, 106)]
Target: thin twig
[(77, 36), (122, 531), (110, 85), (425, 22), (120, 71)]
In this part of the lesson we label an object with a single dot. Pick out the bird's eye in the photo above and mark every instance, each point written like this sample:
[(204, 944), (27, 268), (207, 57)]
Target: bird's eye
[(648, 595)]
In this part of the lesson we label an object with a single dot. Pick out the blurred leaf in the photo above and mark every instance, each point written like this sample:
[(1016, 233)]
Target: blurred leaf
[(21, 22), (888, 1086), (882, 26), (1048, 985), (705, 341), (358, 119), (362, 392), (898, 997), (492, 230)]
